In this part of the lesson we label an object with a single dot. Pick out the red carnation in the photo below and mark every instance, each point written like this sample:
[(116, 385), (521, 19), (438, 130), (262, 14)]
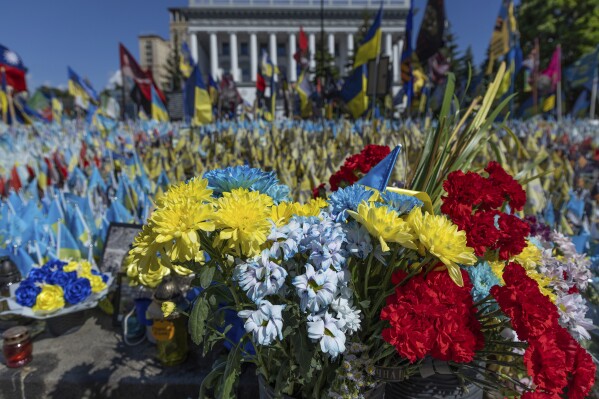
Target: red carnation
[(510, 187), (532, 313), (432, 316), (539, 395), (512, 239), (546, 364), (464, 188), (482, 233)]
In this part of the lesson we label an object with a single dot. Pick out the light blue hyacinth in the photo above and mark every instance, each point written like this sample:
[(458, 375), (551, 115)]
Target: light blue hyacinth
[(324, 329), (265, 323), (348, 198), (260, 277), (316, 288), (400, 203), (358, 240)]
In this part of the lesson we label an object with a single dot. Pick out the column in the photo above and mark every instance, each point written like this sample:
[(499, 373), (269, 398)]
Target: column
[(312, 47), (194, 46), (292, 62), (253, 55), (389, 45), (214, 56), (234, 61), (350, 44), (396, 66), (273, 48), (332, 44)]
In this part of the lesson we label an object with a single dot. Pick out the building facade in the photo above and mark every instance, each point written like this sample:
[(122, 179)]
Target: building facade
[(231, 35), (153, 55)]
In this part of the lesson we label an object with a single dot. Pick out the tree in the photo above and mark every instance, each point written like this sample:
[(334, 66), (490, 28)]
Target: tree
[(325, 62), (450, 50), (464, 63), (572, 23), (173, 77)]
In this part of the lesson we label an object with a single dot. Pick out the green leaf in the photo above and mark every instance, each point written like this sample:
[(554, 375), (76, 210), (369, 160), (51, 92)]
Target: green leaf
[(197, 320), (365, 304), (303, 355), (206, 275), (232, 371), (212, 377)]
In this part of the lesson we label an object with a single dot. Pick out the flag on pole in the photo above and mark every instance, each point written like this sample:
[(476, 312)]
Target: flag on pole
[(186, 61), (554, 70), (304, 90), (14, 69), (407, 77), (80, 88), (430, 36), (268, 68), (56, 110), (505, 25), (137, 83), (198, 105), (582, 72), (354, 92), (370, 47), (159, 112)]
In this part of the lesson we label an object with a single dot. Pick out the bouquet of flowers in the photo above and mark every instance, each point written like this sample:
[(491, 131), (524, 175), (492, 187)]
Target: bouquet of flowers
[(58, 288)]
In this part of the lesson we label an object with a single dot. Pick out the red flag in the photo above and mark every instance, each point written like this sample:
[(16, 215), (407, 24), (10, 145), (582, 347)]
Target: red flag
[(13, 68), (131, 69), (2, 187), (260, 83), (303, 41), (158, 91), (554, 70), (15, 180)]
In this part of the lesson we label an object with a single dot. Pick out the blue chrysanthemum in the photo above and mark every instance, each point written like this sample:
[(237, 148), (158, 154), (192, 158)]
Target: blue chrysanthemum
[(231, 178), (348, 198), (401, 203), (483, 279)]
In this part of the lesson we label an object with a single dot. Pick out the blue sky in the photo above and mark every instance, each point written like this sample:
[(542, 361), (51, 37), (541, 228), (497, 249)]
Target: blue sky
[(84, 34)]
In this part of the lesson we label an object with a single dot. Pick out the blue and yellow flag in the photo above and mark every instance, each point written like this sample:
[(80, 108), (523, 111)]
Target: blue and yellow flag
[(186, 62), (268, 68), (304, 91), (212, 89), (3, 95), (370, 47), (198, 105), (354, 92), (56, 110), (159, 112), (81, 89)]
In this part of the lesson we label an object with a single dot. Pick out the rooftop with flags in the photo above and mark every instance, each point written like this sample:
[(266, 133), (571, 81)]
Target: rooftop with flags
[(300, 199)]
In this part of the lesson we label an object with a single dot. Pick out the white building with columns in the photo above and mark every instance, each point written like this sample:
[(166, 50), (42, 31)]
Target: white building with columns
[(230, 35)]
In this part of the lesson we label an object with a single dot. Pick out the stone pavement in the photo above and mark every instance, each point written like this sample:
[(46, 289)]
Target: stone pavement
[(93, 362)]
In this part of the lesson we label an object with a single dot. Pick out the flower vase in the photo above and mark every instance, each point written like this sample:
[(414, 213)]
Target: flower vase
[(268, 392), (436, 380)]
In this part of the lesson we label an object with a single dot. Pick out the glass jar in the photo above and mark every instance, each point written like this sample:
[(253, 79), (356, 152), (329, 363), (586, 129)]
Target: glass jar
[(9, 274), (17, 346), (171, 339)]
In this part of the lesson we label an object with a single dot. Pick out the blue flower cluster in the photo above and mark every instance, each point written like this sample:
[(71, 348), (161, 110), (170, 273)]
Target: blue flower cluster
[(76, 289), (313, 251), (348, 198), (483, 279), (253, 179)]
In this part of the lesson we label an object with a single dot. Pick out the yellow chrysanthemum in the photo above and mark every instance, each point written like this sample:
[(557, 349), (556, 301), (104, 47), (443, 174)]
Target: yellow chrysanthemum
[(151, 278), (147, 263), (312, 207), (176, 227), (50, 298), (194, 190), (497, 267), (281, 213), (243, 219), (529, 258), (384, 224), (442, 239)]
